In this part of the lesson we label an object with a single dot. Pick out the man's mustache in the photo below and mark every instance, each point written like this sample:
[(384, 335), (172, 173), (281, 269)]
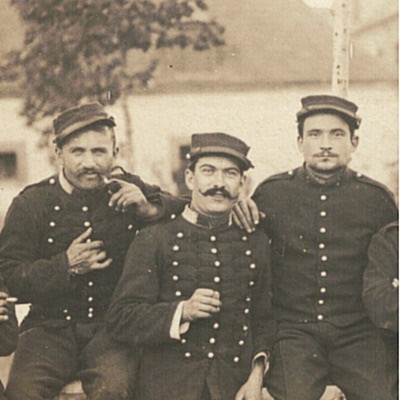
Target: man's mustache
[(218, 190), (88, 171), (326, 153)]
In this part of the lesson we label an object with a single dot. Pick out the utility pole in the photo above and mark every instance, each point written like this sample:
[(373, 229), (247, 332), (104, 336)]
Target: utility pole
[(341, 41), (341, 47)]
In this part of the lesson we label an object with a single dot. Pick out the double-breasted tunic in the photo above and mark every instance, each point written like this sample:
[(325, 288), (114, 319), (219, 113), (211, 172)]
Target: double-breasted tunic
[(164, 266)]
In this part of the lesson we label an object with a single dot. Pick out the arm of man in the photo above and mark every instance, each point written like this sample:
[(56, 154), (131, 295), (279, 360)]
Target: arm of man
[(263, 326), (27, 275), (8, 324), (380, 291), (152, 203), (136, 316)]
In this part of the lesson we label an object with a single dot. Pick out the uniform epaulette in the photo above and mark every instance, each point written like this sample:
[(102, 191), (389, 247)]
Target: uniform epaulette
[(365, 179), (281, 176), (51, 181)]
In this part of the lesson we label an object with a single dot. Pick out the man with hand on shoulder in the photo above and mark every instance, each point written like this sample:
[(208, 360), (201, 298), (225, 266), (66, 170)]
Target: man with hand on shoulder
[(195, 291)]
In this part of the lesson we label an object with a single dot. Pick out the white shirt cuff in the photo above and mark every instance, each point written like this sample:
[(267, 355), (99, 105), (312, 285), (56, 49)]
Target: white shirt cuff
[(264, 356), (177, 329)]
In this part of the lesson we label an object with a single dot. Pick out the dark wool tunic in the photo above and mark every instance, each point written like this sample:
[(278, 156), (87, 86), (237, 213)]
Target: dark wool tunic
[(320, 234), (165, 265), (40, 225), (381, 298)]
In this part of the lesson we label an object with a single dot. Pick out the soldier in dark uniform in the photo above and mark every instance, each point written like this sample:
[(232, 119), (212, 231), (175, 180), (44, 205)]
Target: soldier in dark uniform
[(381, 292), (62, 250), (194, 292), (321, 217)]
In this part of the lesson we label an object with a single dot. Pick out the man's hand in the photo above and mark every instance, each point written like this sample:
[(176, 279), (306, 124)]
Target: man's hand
[(246, 215), (85, 256), (203, 304), (252, 389), (3, 307), (128, 195)]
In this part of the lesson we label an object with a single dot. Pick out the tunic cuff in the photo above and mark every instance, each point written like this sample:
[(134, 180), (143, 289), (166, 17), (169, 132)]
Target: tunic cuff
[(177, 329)]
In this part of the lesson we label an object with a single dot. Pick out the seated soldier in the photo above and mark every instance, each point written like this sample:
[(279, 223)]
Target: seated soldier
[(195, 291), (381, 292)]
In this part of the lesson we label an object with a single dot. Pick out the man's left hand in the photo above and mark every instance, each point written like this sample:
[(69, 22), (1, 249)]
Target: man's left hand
[(129, 195), (246, 215), (251, 390)]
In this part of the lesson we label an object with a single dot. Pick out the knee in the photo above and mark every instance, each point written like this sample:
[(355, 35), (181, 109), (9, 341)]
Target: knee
[(106, 391)]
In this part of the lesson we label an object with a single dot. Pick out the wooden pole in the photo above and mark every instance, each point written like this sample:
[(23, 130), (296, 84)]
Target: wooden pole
[(341, 47)]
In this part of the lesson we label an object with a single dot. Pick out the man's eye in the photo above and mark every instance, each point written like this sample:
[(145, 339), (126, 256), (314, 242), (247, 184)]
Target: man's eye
[(232, 173), (207, 171), (77, 151)]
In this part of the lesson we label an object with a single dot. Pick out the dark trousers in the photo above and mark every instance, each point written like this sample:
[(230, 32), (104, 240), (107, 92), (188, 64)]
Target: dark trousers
[(47, 359), (307, 357)]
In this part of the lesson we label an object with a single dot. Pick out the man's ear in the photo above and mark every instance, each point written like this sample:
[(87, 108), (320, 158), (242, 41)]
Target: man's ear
[(115, 151), (300, 142), (189, 177), (354, 142), (59, 155)]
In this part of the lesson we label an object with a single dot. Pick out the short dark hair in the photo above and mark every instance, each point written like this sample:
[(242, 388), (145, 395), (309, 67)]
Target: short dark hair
[(193, 161), (349, 121), (98, 126)]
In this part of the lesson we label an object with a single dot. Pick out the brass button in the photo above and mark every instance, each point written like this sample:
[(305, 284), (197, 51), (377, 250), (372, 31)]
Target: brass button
[(322, 213), (217, 279), (57, 208), (213, 238), (320, 317), (214, 250), (50, 240), (68, 318), (252, 266), (321, 245), (178, 293), (175, 263), (130, 227), (90, 299), (210, 354), (52, 224), (212, 340), (52, 181), (236, 359), (187, 355), (175, 248), (322, 230), (216, 325), (179, 235), (248, 252), (321, 302), (324, 258), (175, 278), (244, 238), (323, 273), (217, 263), (85, 208), (323, 290), (86, 223), (90, 283), (323, 197)]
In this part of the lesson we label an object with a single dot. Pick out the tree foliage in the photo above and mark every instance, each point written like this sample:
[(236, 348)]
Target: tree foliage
[(76, 49)]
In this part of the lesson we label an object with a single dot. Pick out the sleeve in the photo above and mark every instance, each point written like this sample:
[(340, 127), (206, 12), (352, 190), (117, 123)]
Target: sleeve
[(387, 209), (8, 329), (262, 322), (136, 315), (260, 199), (166, 202), (380, 297), (27, 276)]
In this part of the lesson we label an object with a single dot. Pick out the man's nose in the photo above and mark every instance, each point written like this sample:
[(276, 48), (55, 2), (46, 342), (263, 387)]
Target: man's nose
[(325, 143), (219, 179), (88, 160)]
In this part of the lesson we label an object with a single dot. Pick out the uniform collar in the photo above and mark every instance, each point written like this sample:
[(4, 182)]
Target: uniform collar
[(206, 221), (336, 179), (64, 183)]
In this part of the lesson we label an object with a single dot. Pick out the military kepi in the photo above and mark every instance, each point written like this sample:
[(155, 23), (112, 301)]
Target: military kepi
[(218, 143), (79, 117), (329, 103)]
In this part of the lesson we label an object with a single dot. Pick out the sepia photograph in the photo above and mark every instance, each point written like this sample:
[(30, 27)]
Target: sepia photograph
[(199, 199)]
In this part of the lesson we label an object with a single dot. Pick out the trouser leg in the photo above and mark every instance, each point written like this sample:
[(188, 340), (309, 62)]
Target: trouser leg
[(44, 361), (109, 370), (359, 362), (299, 368)]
